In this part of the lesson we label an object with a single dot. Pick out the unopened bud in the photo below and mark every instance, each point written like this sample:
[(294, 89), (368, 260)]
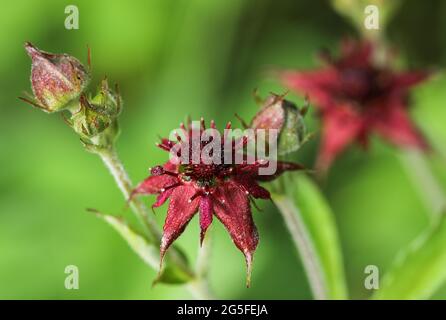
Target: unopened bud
[(96, 114), (284, 116), (56, 79)]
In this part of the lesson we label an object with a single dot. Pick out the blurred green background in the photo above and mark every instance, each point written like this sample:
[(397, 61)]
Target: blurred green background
[(202, 58)]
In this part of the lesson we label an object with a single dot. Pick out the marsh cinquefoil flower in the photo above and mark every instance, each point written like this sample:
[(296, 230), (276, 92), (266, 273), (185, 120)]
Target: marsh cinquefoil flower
[(356, 97), (223, 190)]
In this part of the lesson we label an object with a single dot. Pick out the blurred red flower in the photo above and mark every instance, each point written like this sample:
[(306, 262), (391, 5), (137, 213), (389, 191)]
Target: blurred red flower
[(355, 97)]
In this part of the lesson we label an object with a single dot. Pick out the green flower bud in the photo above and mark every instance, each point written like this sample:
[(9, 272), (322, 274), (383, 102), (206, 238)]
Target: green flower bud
[(56, 79), (284, 116), (107, 100), (96, 114)]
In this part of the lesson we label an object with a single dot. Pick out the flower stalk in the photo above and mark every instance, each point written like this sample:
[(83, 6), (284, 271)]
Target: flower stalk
[(59, 83), (198, 287), (285, 116), (116, 168), (305, 248), (201, 288), (420, 173)]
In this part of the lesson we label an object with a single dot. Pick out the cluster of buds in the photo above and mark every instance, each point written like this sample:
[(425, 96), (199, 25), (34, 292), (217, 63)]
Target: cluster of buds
[(59, 83), (97, 115)]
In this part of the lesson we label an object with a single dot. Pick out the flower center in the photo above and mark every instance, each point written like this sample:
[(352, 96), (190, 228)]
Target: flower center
[(360, 85), (204, 175)]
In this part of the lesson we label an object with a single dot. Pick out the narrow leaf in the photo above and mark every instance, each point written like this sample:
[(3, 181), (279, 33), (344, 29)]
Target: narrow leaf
[(147, 251), (321, 231), (420, 269)]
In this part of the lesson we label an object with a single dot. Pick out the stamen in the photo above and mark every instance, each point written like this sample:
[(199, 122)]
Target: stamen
[(157, 171), (189, 122), (245, 140), (162, 146), (171, 186), (198, 193), (177, 136), (184, 130), (170, 173), (202, 124)]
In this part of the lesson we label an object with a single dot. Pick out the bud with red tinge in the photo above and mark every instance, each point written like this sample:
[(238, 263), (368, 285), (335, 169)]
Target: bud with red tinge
[(285, 117), (56, 79)]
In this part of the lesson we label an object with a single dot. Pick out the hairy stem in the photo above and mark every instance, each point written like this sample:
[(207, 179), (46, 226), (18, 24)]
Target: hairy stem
[(303, 244), (202, 287), (421, 175), (116, 168), (204, 255), (199, 287), (200, 290)]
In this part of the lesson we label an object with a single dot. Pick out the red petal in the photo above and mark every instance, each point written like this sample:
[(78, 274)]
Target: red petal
[(252, 187), (205, 215), (253, 169), (355, 54), (406, 80), (179, 213), (395, 125), (320, 85), (340, 127), (154, 184), (162, 197), (235, 214), (282, 166)]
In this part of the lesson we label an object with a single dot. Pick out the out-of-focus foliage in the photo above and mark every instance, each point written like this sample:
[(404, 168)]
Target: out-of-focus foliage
[(304, 201), (203, 58), (420, 268)]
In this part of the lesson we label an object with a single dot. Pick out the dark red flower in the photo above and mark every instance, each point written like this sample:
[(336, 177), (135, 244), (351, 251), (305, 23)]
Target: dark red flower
[(224, 190), (356, 97)]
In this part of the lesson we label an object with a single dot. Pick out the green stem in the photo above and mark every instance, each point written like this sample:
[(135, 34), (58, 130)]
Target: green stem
[(204, 256), (116, 168), (200, 290), (303, 244), (199, 287), (421, 175)]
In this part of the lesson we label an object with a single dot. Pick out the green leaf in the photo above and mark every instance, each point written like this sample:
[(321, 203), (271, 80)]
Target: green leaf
[(148, 251), (419, 269), (310, 206)]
